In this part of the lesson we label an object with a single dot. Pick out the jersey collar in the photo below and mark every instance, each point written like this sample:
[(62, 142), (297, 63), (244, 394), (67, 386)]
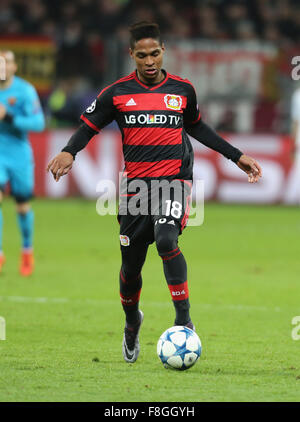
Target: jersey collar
[(152, 87)]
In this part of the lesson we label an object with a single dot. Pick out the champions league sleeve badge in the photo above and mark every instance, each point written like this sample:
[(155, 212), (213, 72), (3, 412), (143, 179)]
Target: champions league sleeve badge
[(92, 107)]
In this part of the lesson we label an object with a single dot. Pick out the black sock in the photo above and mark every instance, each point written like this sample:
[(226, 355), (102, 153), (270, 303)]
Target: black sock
[(130, 290), (175, 270)]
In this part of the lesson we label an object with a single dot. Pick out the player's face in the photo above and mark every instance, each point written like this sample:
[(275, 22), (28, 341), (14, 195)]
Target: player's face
[(10, 65), (148, 56)]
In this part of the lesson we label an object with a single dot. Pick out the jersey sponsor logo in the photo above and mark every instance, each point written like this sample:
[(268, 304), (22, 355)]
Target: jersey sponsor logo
[(174, 102), (12, 101), (131, 102), (179, 293), (150, 119), (92, 107), (125, 241)]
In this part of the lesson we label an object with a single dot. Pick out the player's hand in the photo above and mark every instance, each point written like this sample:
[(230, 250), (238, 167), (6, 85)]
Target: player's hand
[(251, 167), (2, 111), (60, 165)]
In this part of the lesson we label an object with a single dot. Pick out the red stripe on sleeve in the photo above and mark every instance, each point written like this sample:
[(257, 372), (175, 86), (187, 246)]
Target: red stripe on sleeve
[(197, 120), (90, 124)]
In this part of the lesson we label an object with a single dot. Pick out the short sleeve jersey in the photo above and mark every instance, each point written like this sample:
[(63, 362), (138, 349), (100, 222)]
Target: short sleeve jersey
[(151, 120)]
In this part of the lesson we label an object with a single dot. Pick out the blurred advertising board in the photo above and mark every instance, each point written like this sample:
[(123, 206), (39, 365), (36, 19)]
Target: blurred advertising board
[(221, 70), (223, 180), (35, 57), (237, 83)]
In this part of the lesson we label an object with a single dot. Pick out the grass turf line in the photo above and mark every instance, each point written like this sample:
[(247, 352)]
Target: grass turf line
[(243, 271)]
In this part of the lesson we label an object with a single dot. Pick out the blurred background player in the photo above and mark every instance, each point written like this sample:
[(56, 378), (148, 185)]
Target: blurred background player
[(293, 193), (20, 112)]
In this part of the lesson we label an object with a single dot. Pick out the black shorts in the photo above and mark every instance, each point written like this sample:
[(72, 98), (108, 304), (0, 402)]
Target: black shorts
[(140, 211)]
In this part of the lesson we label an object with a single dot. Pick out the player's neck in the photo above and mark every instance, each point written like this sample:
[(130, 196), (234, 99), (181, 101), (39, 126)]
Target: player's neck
[(159, 78), (6, 83)]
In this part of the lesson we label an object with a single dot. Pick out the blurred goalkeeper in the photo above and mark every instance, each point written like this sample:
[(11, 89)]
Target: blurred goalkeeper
[(155, 111), (20, 112)]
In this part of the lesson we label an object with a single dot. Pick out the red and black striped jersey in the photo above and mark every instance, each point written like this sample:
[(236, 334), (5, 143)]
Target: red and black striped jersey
[(151, 120)]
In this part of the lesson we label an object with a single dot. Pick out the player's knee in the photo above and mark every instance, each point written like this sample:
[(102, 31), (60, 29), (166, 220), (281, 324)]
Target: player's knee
[(23, 207), (129, 274), (22, 201), (166, 239), (131, 268), (133, 259)]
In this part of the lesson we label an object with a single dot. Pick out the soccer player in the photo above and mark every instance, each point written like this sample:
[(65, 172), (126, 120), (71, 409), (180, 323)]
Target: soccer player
[(155, 111), (20, 112), (294, 190)]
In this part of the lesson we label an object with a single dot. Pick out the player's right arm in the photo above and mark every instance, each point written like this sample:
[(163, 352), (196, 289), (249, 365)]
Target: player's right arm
[(98, 115), (28, 118)]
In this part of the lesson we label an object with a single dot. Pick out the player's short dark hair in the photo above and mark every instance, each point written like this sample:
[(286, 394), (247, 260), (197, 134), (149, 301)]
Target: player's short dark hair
[(142, 30)]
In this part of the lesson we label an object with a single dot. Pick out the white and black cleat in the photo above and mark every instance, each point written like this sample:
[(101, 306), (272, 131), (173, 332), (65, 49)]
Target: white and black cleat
[(188, 324), (131, 344)]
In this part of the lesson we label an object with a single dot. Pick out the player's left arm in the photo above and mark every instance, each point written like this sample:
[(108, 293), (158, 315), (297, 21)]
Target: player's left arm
[(31, 118), (199, 130)]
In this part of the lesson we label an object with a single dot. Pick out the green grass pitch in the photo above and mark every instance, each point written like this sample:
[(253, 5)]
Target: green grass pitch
[(64, 325)]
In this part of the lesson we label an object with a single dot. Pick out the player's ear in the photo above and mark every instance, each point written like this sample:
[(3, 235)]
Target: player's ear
[(163, 47), (131, 53)]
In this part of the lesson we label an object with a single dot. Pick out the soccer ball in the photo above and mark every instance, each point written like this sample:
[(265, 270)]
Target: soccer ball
[(179, 347)]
